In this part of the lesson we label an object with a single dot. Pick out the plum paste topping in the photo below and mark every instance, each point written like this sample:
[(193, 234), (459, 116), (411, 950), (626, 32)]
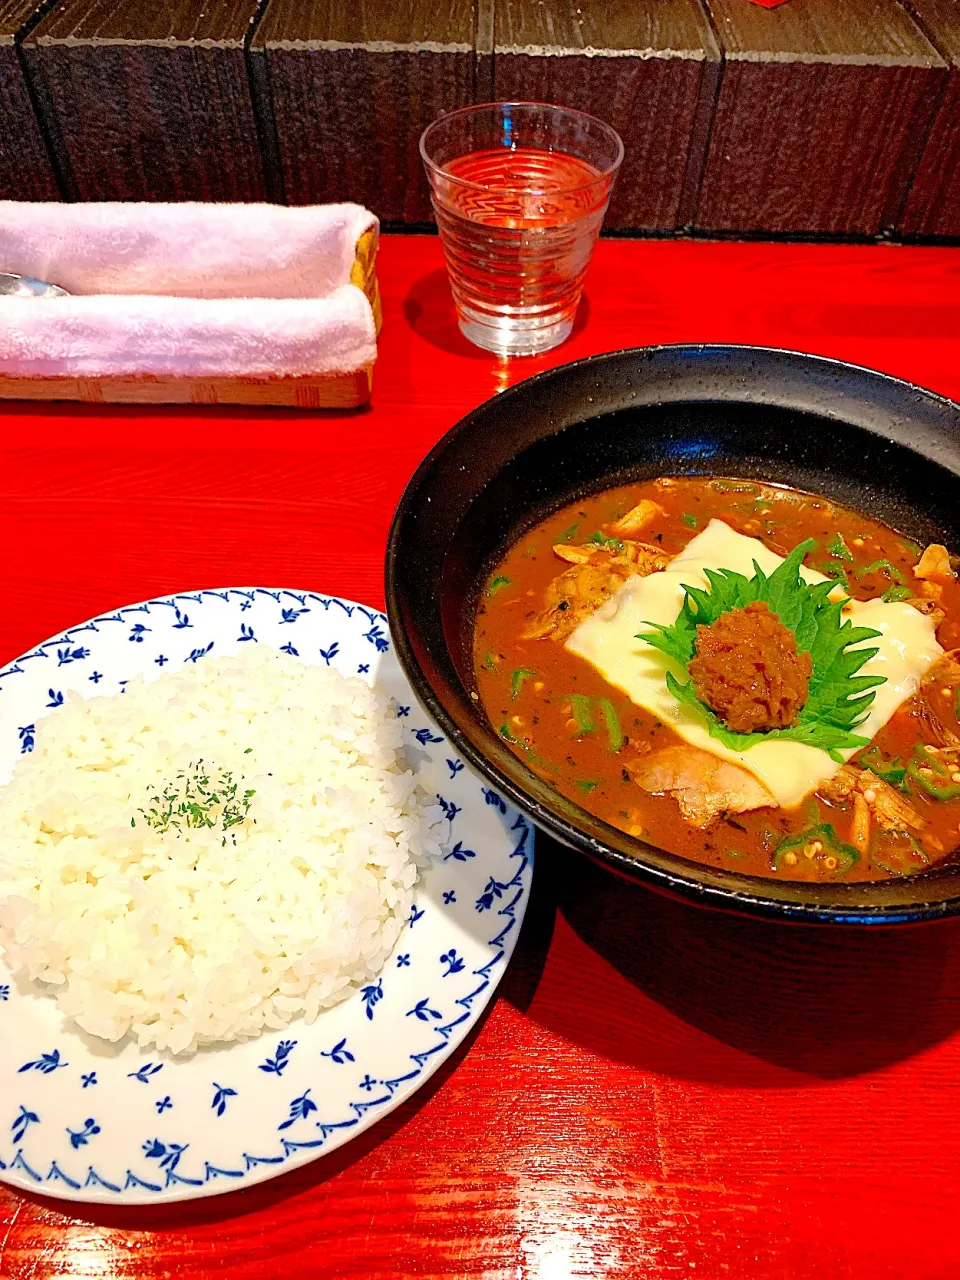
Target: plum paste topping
[(748, 671)]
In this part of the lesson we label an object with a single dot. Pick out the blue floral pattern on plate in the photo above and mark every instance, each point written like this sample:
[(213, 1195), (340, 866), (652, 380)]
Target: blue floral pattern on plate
[(173, 1129)]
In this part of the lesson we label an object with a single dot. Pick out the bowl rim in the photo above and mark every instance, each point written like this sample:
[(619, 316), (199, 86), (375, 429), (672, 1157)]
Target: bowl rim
[(748, 898)]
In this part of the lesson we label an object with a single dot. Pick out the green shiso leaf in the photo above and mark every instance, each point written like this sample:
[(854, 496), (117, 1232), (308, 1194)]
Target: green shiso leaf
[(838, 699)]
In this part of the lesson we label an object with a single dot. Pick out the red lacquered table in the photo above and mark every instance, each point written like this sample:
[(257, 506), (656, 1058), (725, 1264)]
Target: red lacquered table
[(657, 1091)]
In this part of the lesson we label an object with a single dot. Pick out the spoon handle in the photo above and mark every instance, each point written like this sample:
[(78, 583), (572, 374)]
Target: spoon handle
[(24, 287)]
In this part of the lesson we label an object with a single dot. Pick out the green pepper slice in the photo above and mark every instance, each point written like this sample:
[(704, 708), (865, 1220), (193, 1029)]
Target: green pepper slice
[(837, 547), (837, 572), (883, 566), (614, 732), (517, 679), (582, 713), (611, 544)]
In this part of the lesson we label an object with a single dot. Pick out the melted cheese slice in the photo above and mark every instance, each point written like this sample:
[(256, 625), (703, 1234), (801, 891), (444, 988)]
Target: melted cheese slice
[(906, 647)]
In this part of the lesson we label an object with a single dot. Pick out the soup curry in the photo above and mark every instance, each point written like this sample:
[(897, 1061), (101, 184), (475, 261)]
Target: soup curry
[(745, 675)]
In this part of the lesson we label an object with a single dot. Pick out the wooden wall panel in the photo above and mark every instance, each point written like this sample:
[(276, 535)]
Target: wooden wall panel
[(820, 116), (932, 207), (812, 118), (25, 169), (352, 86), (149, 100), (647, 67)]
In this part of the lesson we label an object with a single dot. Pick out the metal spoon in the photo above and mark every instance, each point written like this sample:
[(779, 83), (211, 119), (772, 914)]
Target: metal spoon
[(24, 287)]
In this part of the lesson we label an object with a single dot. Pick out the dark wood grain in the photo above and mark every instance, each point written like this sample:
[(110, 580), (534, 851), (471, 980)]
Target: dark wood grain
[(658, 1092), (353, 85), (25, 169), (647, 67), (484, 88), (932, 205), (150, 101), (820, 116)]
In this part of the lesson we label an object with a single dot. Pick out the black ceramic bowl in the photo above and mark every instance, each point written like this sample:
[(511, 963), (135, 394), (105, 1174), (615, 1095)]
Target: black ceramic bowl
[(890, 449)]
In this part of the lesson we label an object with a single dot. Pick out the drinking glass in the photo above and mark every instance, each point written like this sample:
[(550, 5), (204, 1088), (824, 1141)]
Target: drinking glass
[(519, 190)]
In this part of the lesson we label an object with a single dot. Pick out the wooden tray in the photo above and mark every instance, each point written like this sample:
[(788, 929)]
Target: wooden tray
[(302, 391)]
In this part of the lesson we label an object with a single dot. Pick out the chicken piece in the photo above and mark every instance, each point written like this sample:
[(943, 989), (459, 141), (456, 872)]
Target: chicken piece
[(637, 518), (860, 826), (647, 557), (930, 590), (643, 554), (945, 671), (934, 563), (576, 594), (582, 589), (928, 607), (574, 555), (842, 785), (937, 699), (887, 806), (703, 785)]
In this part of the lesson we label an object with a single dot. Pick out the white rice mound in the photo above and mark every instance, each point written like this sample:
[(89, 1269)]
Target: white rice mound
[(193, 936)]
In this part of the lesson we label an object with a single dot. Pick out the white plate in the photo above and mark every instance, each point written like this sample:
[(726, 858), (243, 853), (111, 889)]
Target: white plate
[(86, 1120)]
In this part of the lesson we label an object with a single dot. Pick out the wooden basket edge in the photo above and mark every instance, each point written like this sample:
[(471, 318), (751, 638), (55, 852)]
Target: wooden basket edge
[(306, 391)]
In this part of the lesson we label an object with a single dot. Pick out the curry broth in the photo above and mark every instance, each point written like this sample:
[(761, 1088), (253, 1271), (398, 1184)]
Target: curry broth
[(577, 732)]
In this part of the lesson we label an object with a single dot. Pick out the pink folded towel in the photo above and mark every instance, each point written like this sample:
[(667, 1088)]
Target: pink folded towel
[(189, 337), (188, 250), (185, 289)]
